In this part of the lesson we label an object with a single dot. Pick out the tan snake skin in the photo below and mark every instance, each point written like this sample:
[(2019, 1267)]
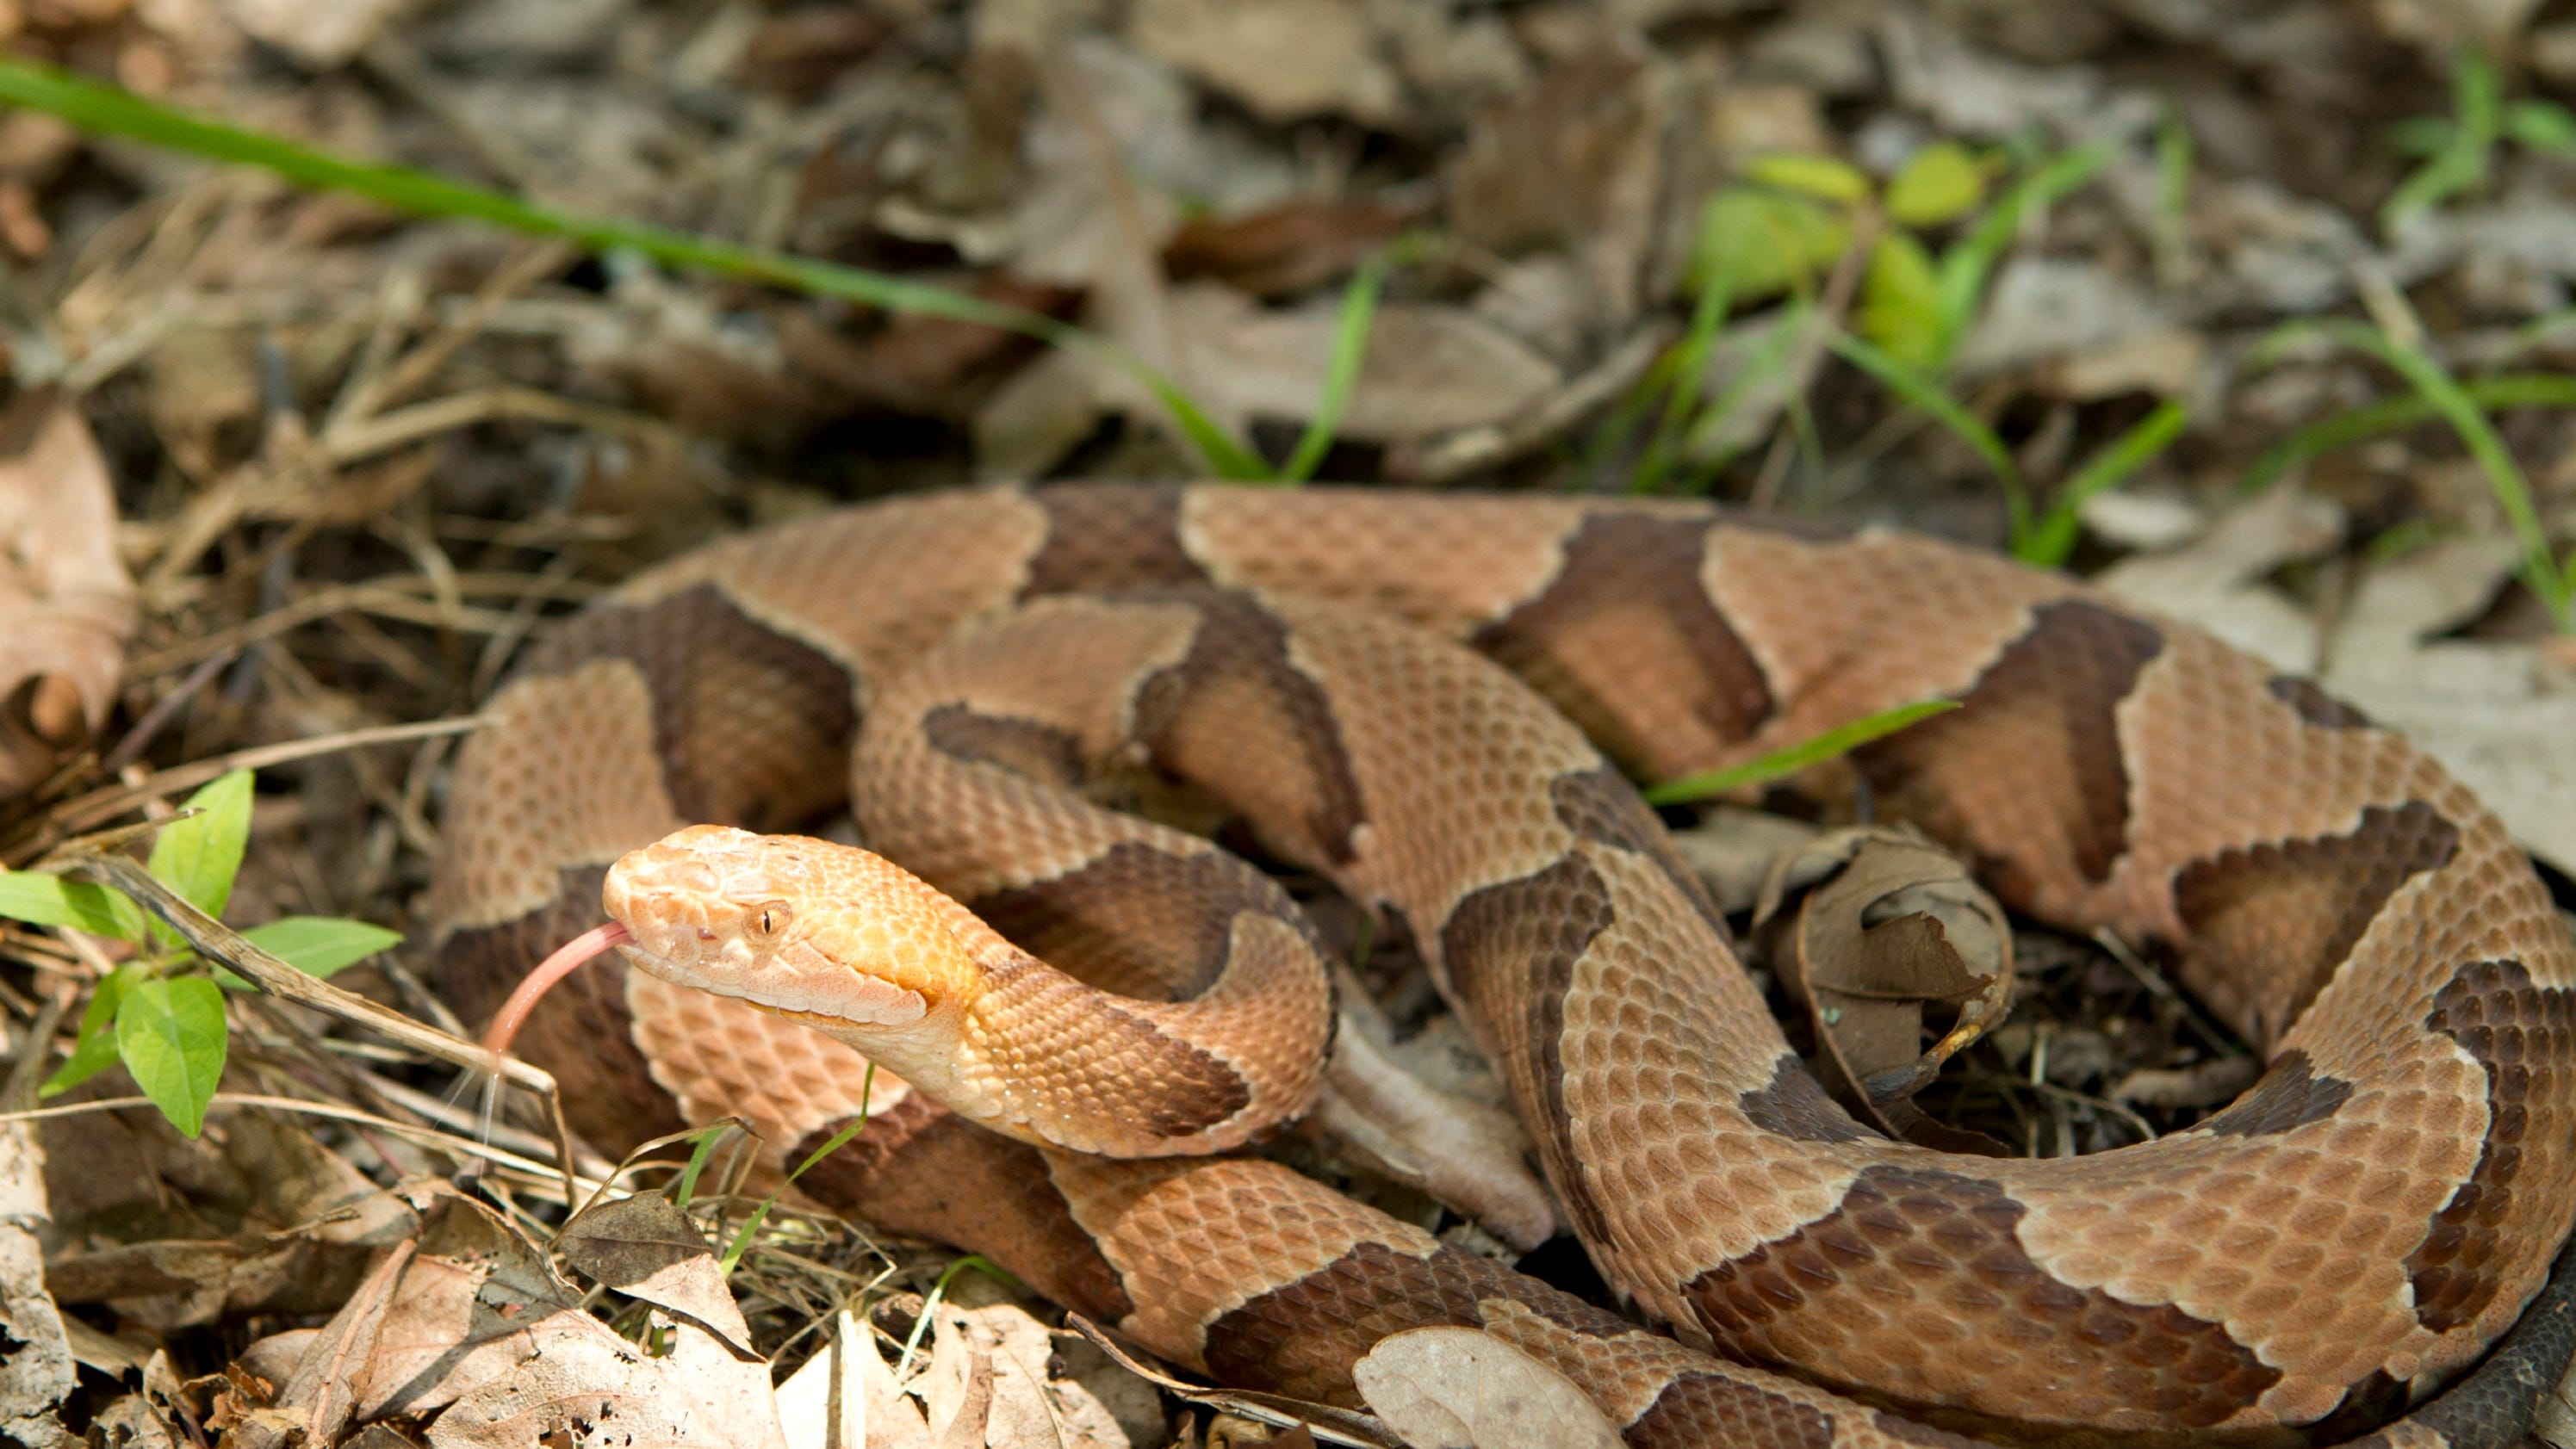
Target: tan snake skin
[(2349, 1238)]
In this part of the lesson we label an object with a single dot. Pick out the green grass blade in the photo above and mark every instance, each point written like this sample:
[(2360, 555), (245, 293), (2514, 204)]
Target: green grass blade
[(2541, 571), (2504, 393), (1920, 391), (106, 110), (742, 1240), (699, 1155), (1689, 368), (2120, 459), (1973, 258), (1779, 764), (1341, 374)]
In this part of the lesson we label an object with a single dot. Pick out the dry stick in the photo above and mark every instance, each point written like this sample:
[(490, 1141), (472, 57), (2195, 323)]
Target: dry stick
[(218, 942), (115, 800)]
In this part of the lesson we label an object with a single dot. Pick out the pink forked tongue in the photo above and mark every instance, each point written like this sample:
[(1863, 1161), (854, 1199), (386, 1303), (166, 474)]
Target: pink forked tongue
[(514, 1012)]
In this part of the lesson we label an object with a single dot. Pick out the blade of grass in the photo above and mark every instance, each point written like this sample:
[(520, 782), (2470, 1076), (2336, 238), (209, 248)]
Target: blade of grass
[(1341, 374), (1779, 764), (2548, 579), (1972, 259), (2054, 538), (1690, 366), (107, 110), (742, 1240), (2504, 393), (1920, 391)]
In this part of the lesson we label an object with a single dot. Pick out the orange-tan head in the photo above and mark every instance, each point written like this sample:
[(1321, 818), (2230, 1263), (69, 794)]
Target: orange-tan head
[(825, 933)]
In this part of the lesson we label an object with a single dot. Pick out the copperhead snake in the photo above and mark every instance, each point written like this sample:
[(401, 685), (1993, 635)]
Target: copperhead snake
[(973, 670)]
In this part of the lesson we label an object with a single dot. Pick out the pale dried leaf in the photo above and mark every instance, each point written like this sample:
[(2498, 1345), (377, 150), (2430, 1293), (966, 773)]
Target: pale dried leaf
[(580, 1381), (66, 602), (1285, 60), (318, 1398), (2215, 581), (321, 33), (988, 1370), (459, 1315), (644, 1247), (1457, 1388), (2497, 713), (1471, 1155)]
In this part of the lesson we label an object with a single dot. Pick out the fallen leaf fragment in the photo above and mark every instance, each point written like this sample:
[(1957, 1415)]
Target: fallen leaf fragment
[(317, 1400), (644, 1247), (987, 1384), (1872, 926), (66, 602), (1458, 1388)]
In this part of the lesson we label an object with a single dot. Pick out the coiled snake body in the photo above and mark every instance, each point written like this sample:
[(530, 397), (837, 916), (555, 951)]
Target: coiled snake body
[(2344, 1242)]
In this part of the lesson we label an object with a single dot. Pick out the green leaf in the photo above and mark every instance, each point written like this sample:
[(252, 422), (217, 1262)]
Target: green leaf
[(2543, 126), (171, 1033), (1779, 764), (198, 856), (94, 1050), (1940, 184), (2054, 538), (1900, 301), (318, 945), (1765, 242), (50, 900), (1826, 178), (1341, 374), (107, 110)]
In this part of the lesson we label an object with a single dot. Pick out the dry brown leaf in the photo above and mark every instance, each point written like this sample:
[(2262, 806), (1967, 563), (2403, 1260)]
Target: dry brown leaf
[(318, 1398), (1871, 926), (644, 1247), (1458, 1388), (1286, 248), (1284, 59), (1573, 161), (458, 1315), (66, 602)]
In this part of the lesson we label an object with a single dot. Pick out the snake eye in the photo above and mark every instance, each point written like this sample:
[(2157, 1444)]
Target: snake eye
[(772, 919)]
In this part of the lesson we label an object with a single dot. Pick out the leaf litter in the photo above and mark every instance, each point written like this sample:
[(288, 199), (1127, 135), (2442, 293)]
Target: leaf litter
[(286, 480)]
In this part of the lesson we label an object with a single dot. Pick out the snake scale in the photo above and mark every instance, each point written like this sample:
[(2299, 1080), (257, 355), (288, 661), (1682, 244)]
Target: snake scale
[(2362, 1245)]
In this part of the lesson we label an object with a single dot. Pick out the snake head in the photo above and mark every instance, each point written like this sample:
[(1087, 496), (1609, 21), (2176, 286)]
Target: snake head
[(828, 934)]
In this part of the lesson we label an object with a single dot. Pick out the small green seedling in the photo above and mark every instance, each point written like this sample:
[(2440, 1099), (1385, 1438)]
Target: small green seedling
[(2458, 151), (1792, 217), (162, 1012)]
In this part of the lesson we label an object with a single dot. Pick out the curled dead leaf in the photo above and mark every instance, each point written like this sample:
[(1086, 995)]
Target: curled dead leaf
[(1884, 925), (66, 602), (1459, 1388), (644, 1247)]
